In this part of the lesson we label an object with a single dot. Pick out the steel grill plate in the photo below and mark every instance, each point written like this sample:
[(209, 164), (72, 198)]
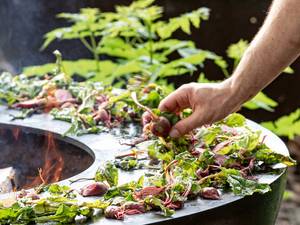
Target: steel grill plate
[(256, 209)]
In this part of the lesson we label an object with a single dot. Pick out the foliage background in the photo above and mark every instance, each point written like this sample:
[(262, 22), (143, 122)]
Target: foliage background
[(230, 20)]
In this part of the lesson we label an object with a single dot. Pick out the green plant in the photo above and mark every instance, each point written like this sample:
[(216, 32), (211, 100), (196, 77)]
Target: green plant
[(135, 40), (286, 126), (139, 42)]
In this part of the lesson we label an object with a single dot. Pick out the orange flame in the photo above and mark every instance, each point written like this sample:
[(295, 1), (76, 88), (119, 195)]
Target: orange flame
[(16, 133), (53, 165)]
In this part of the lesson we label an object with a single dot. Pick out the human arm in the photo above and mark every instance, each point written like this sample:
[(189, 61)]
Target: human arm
[(276, 46)]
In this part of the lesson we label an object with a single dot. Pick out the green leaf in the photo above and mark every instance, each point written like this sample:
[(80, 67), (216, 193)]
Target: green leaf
[(64, 214), (206, 158), (25, 113), (270, 157), (249, 141), (261, 101), (83, 67), (12, 88), (97, 204), (287, 126), (83, 25), (108, 173), (151, 201), (127, 163), (237, 50), (130, 35), (183, 22), (289, 70), (117, 47), (186, 64), (88, 101), (164, 156), (208, 135), (9, 213), (218, 60), (243, 187), (140, 4), (185, 25), (203, 79), (85, 15), (127, 68), (235, 120), (57, 189)]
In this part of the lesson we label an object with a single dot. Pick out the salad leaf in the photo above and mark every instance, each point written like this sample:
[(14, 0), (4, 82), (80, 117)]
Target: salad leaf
[(235, 120), (156, 202), (270, 157), (108, 173), (242, 186)]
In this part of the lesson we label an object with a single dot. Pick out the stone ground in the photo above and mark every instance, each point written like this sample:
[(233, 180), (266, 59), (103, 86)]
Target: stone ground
[(290, 208)]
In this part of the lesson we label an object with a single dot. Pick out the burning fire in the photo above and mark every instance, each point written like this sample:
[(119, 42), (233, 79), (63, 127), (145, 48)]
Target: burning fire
[(53, 165), (16, 133), (32, 159)]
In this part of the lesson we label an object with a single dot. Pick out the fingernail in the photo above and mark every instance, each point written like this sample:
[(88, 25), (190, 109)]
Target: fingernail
[(174, 133)]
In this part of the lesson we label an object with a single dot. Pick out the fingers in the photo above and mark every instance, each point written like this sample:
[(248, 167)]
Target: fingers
[(176, 101), (186, 125)]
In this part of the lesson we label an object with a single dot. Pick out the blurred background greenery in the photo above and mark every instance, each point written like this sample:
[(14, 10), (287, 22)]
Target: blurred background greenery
[(171, 43)]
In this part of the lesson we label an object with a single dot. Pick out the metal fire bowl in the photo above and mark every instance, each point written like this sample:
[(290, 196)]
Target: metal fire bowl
[(234, 210)]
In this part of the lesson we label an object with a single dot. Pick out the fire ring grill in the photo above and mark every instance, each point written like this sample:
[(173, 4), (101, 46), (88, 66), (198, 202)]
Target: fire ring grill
[(23, 151), (231, 210)]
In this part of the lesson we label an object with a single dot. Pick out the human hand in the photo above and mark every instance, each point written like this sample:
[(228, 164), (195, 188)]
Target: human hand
[(209, 103)]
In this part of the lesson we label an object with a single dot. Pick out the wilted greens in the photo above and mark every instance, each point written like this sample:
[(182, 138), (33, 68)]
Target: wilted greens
[(90, 107), (224, 157)]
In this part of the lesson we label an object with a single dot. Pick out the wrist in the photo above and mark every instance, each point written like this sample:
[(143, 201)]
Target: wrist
[(234, 96)]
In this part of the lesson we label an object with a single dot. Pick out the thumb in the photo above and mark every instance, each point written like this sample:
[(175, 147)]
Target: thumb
[(186, 125)]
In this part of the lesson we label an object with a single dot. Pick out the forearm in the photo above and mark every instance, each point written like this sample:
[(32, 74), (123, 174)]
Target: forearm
[(275, 47)]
